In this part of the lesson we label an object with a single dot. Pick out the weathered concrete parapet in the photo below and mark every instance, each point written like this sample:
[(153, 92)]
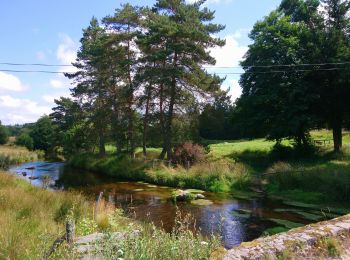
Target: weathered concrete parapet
[(299, 239)]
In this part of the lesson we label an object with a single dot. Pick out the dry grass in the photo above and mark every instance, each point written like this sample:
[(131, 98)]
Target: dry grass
[(10, 154), (32, 218)]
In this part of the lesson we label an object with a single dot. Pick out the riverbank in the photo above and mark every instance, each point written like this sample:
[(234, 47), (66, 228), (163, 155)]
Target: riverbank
[(316, 176), (212, 176), (11, 154), (31, 219)]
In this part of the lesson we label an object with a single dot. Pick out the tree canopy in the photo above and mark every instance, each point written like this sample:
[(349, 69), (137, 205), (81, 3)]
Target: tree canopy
[(283, 93)]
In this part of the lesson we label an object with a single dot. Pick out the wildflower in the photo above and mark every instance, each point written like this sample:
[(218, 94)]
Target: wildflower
[(203, 243), (120, 252)]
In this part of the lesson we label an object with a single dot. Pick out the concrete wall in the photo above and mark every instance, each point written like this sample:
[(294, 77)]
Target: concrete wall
[(303, 242)]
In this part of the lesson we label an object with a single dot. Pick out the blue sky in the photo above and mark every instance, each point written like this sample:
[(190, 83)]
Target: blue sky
[(42, 31)]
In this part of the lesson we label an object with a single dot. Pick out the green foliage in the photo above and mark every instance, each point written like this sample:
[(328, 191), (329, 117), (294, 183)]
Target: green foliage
[(333, 247), (289, 103), (28, 228), (215, 121), (153, 243), (10, 155), (42, 134), (25, 140), (137, 57), (217, 177), (4, 134), (332, 180)]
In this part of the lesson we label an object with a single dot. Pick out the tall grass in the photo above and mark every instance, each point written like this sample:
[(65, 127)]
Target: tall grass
[(10, 155), (32, 218), (145, 241), (331, 180), (212, 176), (154, 244)]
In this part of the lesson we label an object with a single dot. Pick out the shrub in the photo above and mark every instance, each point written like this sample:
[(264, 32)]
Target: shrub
[(26, 141), (188, 154), (279, 167), (4, 135)]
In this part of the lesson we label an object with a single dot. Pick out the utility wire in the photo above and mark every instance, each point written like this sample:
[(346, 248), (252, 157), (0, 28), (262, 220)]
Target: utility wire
[(35, 64), (222, 73), (33, 71), (209, 67), (279, 65)]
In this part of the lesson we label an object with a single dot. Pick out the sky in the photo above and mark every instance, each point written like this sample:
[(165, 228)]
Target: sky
[(42, 31)]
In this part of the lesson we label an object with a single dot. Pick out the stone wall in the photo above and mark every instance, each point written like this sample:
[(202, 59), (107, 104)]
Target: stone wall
[(304, 243)]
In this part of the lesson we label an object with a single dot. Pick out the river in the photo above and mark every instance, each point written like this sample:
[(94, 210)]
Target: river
[(236, 217)]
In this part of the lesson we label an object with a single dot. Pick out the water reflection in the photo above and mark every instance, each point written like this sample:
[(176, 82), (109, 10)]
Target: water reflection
[(152, 203)]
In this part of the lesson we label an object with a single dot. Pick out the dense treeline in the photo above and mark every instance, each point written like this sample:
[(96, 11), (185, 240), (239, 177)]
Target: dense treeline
[(292, 97), (140, 79)]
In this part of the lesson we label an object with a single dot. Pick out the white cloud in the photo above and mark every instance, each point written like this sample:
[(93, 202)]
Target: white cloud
[(231, 54), (67, 50), (227, 61), (66, 54), (51, 97), (19, 111), (56, 83), (8, 82), (210, 1), (235, 89)]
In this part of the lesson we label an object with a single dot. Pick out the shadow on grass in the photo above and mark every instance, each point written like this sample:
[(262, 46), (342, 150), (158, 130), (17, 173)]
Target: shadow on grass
[(260, 161)]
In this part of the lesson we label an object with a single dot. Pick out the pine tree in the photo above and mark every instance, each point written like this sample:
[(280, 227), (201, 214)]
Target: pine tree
[(185, 34)]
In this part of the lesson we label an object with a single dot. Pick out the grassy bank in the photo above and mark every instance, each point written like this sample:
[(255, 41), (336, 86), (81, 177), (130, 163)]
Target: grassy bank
[(32, 218), (213, 176), (324, 182), (11, 154), (314, 175)]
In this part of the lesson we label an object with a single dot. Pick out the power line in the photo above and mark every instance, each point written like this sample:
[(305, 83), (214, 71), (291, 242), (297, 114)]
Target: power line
[(280, 65), (35, 64), (219, 73), (208, 67), (33, 71)]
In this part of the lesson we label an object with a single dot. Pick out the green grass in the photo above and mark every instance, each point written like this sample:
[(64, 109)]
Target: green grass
[(226, 149), (315, 175), (10, 154), (31, 219), (216, 177)]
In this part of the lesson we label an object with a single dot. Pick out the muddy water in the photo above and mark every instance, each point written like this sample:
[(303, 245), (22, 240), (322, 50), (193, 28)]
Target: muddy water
[(237, 217)]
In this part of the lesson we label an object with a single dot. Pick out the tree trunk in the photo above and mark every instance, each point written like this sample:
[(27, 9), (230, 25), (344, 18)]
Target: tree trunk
[(169, 132), (337, 135), (130, 110), (116, 126), (161, 119), (145, 122), (168, 129), (102, 147)]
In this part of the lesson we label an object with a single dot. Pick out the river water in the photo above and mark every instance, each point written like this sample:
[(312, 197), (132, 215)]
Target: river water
[(236, 217)]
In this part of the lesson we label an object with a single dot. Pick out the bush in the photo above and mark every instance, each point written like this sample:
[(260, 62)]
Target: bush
[(188, 154), (280, 167), (4, 135), (26, 141)]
